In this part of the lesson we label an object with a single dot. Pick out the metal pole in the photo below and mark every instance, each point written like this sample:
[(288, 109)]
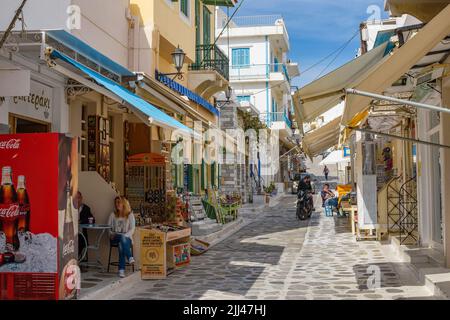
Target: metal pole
[(12, 24), (401, 138), (395, 100)]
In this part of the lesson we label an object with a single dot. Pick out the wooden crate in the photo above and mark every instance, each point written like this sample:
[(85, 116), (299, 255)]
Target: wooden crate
[(159, 249)]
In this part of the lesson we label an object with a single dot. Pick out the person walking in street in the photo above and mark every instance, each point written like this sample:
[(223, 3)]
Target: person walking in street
[(326, 171), (122, 224)]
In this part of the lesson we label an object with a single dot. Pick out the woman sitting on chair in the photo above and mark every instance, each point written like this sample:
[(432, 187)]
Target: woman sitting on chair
[(122, 224)]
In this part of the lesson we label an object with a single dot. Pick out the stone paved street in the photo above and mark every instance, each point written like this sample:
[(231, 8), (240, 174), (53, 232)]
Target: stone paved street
[(279, 257)]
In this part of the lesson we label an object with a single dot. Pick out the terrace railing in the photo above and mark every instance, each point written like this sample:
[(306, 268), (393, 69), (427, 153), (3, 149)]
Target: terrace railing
[(210, 57)]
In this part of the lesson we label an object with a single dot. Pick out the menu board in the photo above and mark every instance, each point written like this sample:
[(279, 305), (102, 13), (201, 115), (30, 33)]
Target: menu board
[(153, 254)]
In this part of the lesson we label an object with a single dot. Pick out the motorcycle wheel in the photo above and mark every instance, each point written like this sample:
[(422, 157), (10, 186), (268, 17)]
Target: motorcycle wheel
[(302, 214)]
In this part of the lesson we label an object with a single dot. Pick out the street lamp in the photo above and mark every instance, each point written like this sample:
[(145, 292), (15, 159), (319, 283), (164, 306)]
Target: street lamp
[(178, 57), (228, 94)]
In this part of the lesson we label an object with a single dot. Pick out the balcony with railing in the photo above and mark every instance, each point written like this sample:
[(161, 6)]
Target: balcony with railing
[(276, 120), (210, 57), (260, 72), (272, 26), (256, 21)]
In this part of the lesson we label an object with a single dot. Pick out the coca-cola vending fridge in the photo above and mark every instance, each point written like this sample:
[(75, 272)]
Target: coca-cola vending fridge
[(38, 216)]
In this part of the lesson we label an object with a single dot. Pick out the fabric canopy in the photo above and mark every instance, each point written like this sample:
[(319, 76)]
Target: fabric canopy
[(395, 66), (322, 139), (424, 10), (328, 91), (87, 51), (334, 157), (136, 103)]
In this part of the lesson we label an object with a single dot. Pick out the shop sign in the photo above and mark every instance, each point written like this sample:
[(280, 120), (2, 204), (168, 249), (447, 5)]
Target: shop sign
[(153, 254), (175, 86), (347, 152), (37, 105)]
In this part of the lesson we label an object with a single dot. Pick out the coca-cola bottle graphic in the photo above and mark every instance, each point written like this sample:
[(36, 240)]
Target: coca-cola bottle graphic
[(24, 205), (68, 247), (9, 210)]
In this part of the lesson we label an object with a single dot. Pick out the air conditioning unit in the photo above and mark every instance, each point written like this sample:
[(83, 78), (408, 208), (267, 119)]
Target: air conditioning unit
[(429, 76)]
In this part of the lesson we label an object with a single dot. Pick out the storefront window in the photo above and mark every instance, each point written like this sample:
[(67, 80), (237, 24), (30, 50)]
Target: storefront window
[(21, 125)]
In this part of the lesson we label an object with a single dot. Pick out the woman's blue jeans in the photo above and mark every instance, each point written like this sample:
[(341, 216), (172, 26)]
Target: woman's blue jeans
[(124, 245), (333, 202)]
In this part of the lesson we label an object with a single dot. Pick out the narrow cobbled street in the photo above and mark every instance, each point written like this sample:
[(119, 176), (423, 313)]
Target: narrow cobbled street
[(276, 256)]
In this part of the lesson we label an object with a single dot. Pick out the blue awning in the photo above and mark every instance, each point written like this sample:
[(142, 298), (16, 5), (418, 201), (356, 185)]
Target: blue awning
[(159, 117), (87, 51)]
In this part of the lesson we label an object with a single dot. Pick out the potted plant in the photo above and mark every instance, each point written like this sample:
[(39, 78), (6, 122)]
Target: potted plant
[(268, 192)]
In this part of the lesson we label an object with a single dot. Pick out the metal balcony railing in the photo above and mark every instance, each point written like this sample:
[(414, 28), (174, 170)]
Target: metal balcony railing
[(255, 21), (257, 71), (210, 57), (272, 117)]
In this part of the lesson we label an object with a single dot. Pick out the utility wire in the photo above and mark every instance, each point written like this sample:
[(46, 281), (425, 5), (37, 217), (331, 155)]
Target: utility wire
[(338, 51), (12, 24), (228, 21), (330, 55), (337, 55)]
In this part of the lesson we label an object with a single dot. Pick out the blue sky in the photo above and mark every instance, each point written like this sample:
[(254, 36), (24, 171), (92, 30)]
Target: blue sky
[(316, 28)]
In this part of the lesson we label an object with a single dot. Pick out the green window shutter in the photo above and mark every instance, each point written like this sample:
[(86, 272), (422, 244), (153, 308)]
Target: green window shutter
[(213, 174), (203, 175), (184, 7), (190, 178), (175, 176), (206, 26), (197, 31), (219, 175)]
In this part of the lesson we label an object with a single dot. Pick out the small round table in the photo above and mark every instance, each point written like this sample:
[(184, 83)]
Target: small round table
[(101, 228)]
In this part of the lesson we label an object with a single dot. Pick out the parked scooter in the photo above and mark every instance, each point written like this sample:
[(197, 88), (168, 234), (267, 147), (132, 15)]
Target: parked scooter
[(304, 205)]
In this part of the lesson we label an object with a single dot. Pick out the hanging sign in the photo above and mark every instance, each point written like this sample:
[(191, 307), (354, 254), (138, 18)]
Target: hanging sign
[(347, 152)]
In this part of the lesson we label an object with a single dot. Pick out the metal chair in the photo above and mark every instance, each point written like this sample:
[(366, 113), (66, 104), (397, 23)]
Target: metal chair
[(116, 263)]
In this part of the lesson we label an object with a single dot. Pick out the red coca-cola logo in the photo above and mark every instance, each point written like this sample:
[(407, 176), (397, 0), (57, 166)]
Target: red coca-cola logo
[(12, 144), (9, 212)]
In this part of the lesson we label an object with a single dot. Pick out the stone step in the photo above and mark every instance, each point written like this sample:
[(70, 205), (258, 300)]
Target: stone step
[(427, 265)]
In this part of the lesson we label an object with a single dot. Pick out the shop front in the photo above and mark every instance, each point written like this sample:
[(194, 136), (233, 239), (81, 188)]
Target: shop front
[(124, 150)]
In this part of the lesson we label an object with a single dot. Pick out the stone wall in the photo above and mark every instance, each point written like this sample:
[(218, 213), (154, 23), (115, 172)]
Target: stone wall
[(233, 172)]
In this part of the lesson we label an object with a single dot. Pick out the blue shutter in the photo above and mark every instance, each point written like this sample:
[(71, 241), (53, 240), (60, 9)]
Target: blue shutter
[(246, 60), (234, 59), (241, 57)]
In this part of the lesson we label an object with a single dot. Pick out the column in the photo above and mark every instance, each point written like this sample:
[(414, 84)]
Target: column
[(445, 168)]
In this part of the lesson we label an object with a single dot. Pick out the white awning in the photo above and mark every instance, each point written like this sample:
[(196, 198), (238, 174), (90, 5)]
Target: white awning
[(325, 93), (395, 66), (334, 157), (322, 139), (424, 10)]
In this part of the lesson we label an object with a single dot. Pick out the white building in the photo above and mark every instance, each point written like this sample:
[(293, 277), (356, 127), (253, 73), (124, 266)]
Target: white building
[(261, 74)]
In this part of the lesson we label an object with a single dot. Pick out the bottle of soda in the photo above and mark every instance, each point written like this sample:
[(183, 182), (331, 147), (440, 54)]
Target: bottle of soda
[(9, 210), (24, 205), (69, 244)]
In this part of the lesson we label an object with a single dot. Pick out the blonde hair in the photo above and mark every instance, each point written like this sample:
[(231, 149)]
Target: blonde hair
[(126, 206)]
